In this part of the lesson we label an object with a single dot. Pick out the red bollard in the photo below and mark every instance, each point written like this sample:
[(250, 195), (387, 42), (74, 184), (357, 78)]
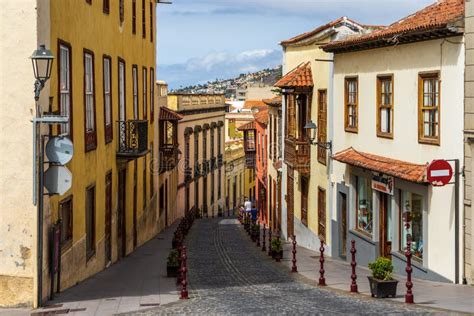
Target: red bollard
[(184, 270), (409, 270), (270, 242), (294, 268), (353, 265), (322, 280), (264, 248)]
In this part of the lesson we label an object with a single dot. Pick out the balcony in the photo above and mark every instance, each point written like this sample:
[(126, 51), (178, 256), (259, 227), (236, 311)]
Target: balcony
[(213, 163), (250, 159), (197, 170), (133, 139), (188, 174), (220, 160), (298, 155), (168, 157)]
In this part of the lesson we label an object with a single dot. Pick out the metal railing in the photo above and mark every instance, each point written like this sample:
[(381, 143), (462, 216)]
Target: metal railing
[(133, 138)]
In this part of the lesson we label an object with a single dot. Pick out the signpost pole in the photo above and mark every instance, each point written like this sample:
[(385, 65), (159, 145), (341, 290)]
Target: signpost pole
[(456, 220)]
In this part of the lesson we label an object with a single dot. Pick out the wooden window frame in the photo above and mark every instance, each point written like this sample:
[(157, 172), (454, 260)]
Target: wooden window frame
[(67, 243), (304, 195), (90, 251), (122, 61), (379, 106), (143, 19), (108, 128), (145, 92), (436, 141), (151, 23), (322, 212), (106, 6), (135, 93), (134, 16), (152, 94), (347, 128), (322, 133), (90, 138), (69, 47), (357, 210), (121, 11)]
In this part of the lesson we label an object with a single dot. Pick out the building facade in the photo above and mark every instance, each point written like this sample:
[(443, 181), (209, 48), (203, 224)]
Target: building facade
[(261, 162), (391, 119), (201, 137), (106, 88)]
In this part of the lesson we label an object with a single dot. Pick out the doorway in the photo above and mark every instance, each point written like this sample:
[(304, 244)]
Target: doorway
[(121, 224), (289, 203), (135, 201), (108, 217), (343, 199), (385, 224)]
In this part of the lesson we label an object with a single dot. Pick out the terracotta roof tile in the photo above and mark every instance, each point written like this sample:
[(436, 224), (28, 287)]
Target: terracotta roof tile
[(249, 104), (262, 115), (276, 101), (392, 167), (437, 16), (301, 76), (167, 114), (247, 126)]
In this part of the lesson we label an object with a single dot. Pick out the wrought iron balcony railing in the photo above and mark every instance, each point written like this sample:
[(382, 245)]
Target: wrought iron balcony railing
[(133, 139), (197, 170), (188, 174), (213, 163), (168, 157)]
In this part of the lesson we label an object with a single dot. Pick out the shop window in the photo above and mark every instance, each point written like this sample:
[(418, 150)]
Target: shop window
[(413, 211), (364, 219)]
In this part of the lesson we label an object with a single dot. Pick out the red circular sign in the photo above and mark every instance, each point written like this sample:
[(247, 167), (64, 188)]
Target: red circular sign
[(439, 173)]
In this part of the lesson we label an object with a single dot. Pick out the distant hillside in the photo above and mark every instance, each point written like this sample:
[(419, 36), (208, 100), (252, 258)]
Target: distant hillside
[(265, 76)]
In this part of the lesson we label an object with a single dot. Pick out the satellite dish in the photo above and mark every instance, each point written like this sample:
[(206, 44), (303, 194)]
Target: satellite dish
[(57, 180), (59, 150)]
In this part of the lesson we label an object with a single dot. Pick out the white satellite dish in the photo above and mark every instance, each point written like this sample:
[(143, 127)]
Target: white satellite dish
[(59, 150), (57, 180)]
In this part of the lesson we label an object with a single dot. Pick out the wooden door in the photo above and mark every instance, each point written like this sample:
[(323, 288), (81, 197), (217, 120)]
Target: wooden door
[(322, 214), (108, 216), (385, 243), (135, 201), (343, 226), (289, 203), (121, 223), (304, 200)]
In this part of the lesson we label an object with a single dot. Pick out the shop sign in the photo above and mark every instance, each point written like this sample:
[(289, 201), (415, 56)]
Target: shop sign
[(382, 183)]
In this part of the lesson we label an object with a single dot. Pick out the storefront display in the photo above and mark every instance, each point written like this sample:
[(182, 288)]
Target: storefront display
[(413, 212), (364, 205)]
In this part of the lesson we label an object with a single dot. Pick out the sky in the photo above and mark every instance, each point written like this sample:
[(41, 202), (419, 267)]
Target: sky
[(204, 40)]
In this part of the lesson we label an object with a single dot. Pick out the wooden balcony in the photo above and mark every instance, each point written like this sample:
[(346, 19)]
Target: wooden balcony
[(168, 157), (250, 160), (298, 155), (133, 139)]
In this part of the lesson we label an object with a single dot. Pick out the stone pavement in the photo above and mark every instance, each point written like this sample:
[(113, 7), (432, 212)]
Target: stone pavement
[(447, 296), (134, 283), (228, 274)]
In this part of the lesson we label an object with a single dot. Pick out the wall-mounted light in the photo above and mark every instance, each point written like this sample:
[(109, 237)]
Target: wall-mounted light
[(312, 128)]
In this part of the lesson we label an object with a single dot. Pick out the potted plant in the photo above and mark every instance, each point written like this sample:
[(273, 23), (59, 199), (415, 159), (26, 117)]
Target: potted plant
[(172, 264), (381, 282), (255, 232), (277, 249)]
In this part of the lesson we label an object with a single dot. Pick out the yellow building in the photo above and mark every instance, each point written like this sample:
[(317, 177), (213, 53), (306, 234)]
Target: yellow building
[(103, 79)]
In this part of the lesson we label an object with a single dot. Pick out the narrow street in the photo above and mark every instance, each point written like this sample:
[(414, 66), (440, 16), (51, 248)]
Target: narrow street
[(229, 275)]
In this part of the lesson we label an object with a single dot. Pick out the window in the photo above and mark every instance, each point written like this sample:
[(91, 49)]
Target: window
[(428, 108), (89, 100), (90, 221), (134, 16), (304, 200), (364, 205), (152, 170), (152, 94), (121, 11), (106, 6), (144, 183), (65, 214), (274, 144), (413, 211), (107, 63), (351, 105), (143, 19), (145, 82), (89, 1), (322, 213), (121, 89), (219, 174), (322, 125), (151, 22), (212, 187), (135, 91), (385, 106), (65, 76)]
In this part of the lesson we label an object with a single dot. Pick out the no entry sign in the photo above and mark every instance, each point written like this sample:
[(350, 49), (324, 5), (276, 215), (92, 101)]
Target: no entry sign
[(439, 173)]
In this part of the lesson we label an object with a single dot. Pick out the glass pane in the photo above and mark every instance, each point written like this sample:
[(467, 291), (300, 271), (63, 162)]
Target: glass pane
[(413, 209), (364, 205)]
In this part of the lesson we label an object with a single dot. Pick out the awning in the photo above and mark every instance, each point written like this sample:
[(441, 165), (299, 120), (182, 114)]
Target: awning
[(300, 77), (169, 115), (392, 167)]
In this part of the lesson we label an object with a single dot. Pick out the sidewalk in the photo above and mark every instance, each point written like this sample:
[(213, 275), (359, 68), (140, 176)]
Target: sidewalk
[(447, 296), (136, 282)]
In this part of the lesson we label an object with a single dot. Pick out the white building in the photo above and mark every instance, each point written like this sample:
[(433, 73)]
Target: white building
[(398, 105)]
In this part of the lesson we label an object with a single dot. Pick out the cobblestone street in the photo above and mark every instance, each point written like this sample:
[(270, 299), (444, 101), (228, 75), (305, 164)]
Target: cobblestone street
[(229, 275)]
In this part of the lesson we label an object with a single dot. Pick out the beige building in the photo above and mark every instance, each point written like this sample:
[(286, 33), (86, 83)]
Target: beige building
[(236, 175), (201, 179), (469, 144)]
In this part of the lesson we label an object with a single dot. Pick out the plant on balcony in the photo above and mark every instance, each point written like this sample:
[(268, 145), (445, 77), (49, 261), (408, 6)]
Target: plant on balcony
[(277, 249), (381, 282), (172, 264)]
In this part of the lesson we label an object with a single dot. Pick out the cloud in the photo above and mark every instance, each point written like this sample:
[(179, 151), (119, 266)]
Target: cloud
[(218, 65)]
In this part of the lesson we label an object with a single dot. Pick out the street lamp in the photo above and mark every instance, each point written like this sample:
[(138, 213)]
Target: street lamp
[(42, 60), (313, 131)]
